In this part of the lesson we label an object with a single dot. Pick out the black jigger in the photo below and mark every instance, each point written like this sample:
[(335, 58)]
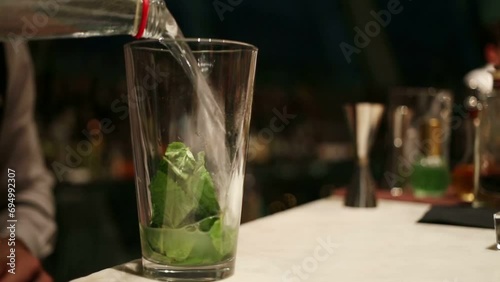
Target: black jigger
[(364, 120)]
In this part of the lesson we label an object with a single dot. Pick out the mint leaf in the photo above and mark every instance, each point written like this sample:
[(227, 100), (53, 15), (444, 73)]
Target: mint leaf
[(175, 244), (182, 247), (182, 191), (208, 205), (223, 239), (158, 190), (179, 202), (206, 224), (180, 160)]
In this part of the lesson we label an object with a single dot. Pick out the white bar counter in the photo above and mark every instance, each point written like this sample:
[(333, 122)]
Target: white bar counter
[(326, 242)]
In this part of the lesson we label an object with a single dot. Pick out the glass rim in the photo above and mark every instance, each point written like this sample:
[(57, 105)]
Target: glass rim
[(242, 45)]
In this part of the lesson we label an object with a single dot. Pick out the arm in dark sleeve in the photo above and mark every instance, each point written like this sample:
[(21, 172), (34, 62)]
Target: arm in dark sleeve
[(20, 151)]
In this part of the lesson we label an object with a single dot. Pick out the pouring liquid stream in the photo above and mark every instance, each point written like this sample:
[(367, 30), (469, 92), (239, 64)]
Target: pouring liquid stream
[(207, 124)]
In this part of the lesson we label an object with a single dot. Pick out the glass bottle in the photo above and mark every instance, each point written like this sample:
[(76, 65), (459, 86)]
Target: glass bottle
[(430, 177), (462, 183), (34, 19), (487, 149), (410, 111)]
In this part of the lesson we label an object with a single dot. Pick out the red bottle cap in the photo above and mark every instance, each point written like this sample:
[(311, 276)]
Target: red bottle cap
[(144, 19)]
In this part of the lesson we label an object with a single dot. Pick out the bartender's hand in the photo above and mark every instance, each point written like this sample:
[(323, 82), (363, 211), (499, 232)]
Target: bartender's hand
[(28, 267)]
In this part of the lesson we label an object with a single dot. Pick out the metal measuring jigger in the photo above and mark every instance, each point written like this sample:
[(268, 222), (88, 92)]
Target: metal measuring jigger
[(364, 120)]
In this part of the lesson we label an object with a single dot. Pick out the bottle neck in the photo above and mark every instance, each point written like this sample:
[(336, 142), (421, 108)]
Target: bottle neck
[(156, 21), (432, 135)]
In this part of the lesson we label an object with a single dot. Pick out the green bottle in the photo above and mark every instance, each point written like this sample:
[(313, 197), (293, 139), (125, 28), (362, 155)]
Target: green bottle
[(430, 177)]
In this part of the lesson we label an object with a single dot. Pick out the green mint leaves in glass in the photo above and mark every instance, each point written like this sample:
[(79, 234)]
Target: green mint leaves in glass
[(186, 224)]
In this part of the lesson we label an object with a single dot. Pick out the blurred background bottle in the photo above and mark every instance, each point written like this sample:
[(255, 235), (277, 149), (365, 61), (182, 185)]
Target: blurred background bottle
[(419, 142), (487, 148), (430, 177), (33, 19), (462, 179)]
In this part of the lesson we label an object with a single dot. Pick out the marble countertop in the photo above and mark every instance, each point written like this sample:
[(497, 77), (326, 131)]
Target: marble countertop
[(324, 241)]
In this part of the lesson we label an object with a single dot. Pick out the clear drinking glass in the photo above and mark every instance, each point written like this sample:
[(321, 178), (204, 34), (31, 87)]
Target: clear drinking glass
[(190, 145)]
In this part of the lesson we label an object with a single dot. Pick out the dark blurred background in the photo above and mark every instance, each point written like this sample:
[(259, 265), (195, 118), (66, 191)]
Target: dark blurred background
[(301, 67)]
